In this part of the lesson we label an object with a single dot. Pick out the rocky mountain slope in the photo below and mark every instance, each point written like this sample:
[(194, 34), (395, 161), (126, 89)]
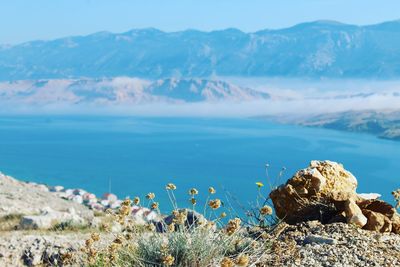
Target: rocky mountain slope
[(316, 49), (123, 90), (385, 124)]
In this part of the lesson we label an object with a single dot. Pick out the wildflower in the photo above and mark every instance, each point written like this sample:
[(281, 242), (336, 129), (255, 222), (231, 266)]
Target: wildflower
[(95, 237), (259, 184), (150, 196), (242, 261), (179, 217), (171, 227), (89, 242), (214, 204), (233, 225), (154, 205), (227, 262), (168, 260), (193, 191), (118, 240), (211, 190), (193, 201), (170, 187), (223, 215), (150, 227), (125, 210), (126, 202), (210, 225), (266, 210), (136, 200)]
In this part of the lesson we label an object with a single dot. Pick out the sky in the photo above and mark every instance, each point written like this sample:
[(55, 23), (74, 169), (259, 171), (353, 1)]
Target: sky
[(26, 20)]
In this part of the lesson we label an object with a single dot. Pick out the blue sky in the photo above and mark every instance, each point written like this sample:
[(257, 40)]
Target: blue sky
[(24, 20)]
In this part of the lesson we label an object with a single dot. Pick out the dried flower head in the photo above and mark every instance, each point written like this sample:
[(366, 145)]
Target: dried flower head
[(136, 201), (227, 262), (214, 204), (211, 190), (150, 196), (193, 192), (242, 260), (126, 202), (222, 215), (95, 237), (232, 226), (168, 260), (170, 186), (193, 201), (154, 205), (266, 210)]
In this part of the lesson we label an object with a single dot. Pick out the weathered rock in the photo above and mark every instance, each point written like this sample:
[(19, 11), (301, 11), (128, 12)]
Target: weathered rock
[(354, 215), (324, 191), (377, 222), (310, 239), (191, 219), (48, 218), (311, 194)]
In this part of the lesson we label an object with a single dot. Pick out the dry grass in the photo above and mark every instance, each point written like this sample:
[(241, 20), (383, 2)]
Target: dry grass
[(191, 239), (10, 222)]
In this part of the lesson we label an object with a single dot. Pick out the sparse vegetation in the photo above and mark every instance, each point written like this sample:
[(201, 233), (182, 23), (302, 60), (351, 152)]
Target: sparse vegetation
[(188, 239)]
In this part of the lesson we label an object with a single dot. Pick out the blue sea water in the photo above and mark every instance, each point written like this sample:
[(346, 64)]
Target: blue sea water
[(141, 155)]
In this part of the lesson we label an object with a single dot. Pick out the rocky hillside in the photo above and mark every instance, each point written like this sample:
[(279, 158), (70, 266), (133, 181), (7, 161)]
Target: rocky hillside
[(385, 124), (316, 49), (123, 91)]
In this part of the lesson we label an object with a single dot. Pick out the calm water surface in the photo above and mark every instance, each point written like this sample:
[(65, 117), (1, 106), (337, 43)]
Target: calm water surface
[(141, 155)]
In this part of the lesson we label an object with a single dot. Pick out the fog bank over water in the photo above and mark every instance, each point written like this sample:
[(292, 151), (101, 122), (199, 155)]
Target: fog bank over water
[(286, 96)]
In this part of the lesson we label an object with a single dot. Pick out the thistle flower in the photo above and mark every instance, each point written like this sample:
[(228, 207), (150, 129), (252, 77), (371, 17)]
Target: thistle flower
[(242, 260), (211, 190), (227, 262), (136, 200), (214, 204), (168, 260), (193, 191), (170, 186), (259, 184), (266, 210), (150, 196), (154, 205)]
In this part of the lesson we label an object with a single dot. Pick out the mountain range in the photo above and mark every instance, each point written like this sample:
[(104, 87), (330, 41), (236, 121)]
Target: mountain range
[(123, 91), (315, 49)]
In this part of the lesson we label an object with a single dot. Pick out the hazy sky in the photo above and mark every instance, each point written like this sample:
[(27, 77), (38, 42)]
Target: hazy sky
[(24, 20)]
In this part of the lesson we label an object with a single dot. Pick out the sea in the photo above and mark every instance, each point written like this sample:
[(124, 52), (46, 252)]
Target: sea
[(131, 156)]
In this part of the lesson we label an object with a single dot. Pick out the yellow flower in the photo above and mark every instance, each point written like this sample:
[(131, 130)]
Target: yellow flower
[(150, 196), (259, 184), (154, 205), (214, 204), (193, 191), (193, 201), (211, 190), (266, 210), (242, 261), (168, 260), (170, 187), (136, 200), (227, 262)]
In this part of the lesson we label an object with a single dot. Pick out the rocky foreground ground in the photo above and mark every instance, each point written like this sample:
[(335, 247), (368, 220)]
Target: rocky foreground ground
[(27, 240)]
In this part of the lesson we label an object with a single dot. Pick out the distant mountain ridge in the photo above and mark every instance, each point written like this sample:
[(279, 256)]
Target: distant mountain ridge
[(123, 91), (315, 49)]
